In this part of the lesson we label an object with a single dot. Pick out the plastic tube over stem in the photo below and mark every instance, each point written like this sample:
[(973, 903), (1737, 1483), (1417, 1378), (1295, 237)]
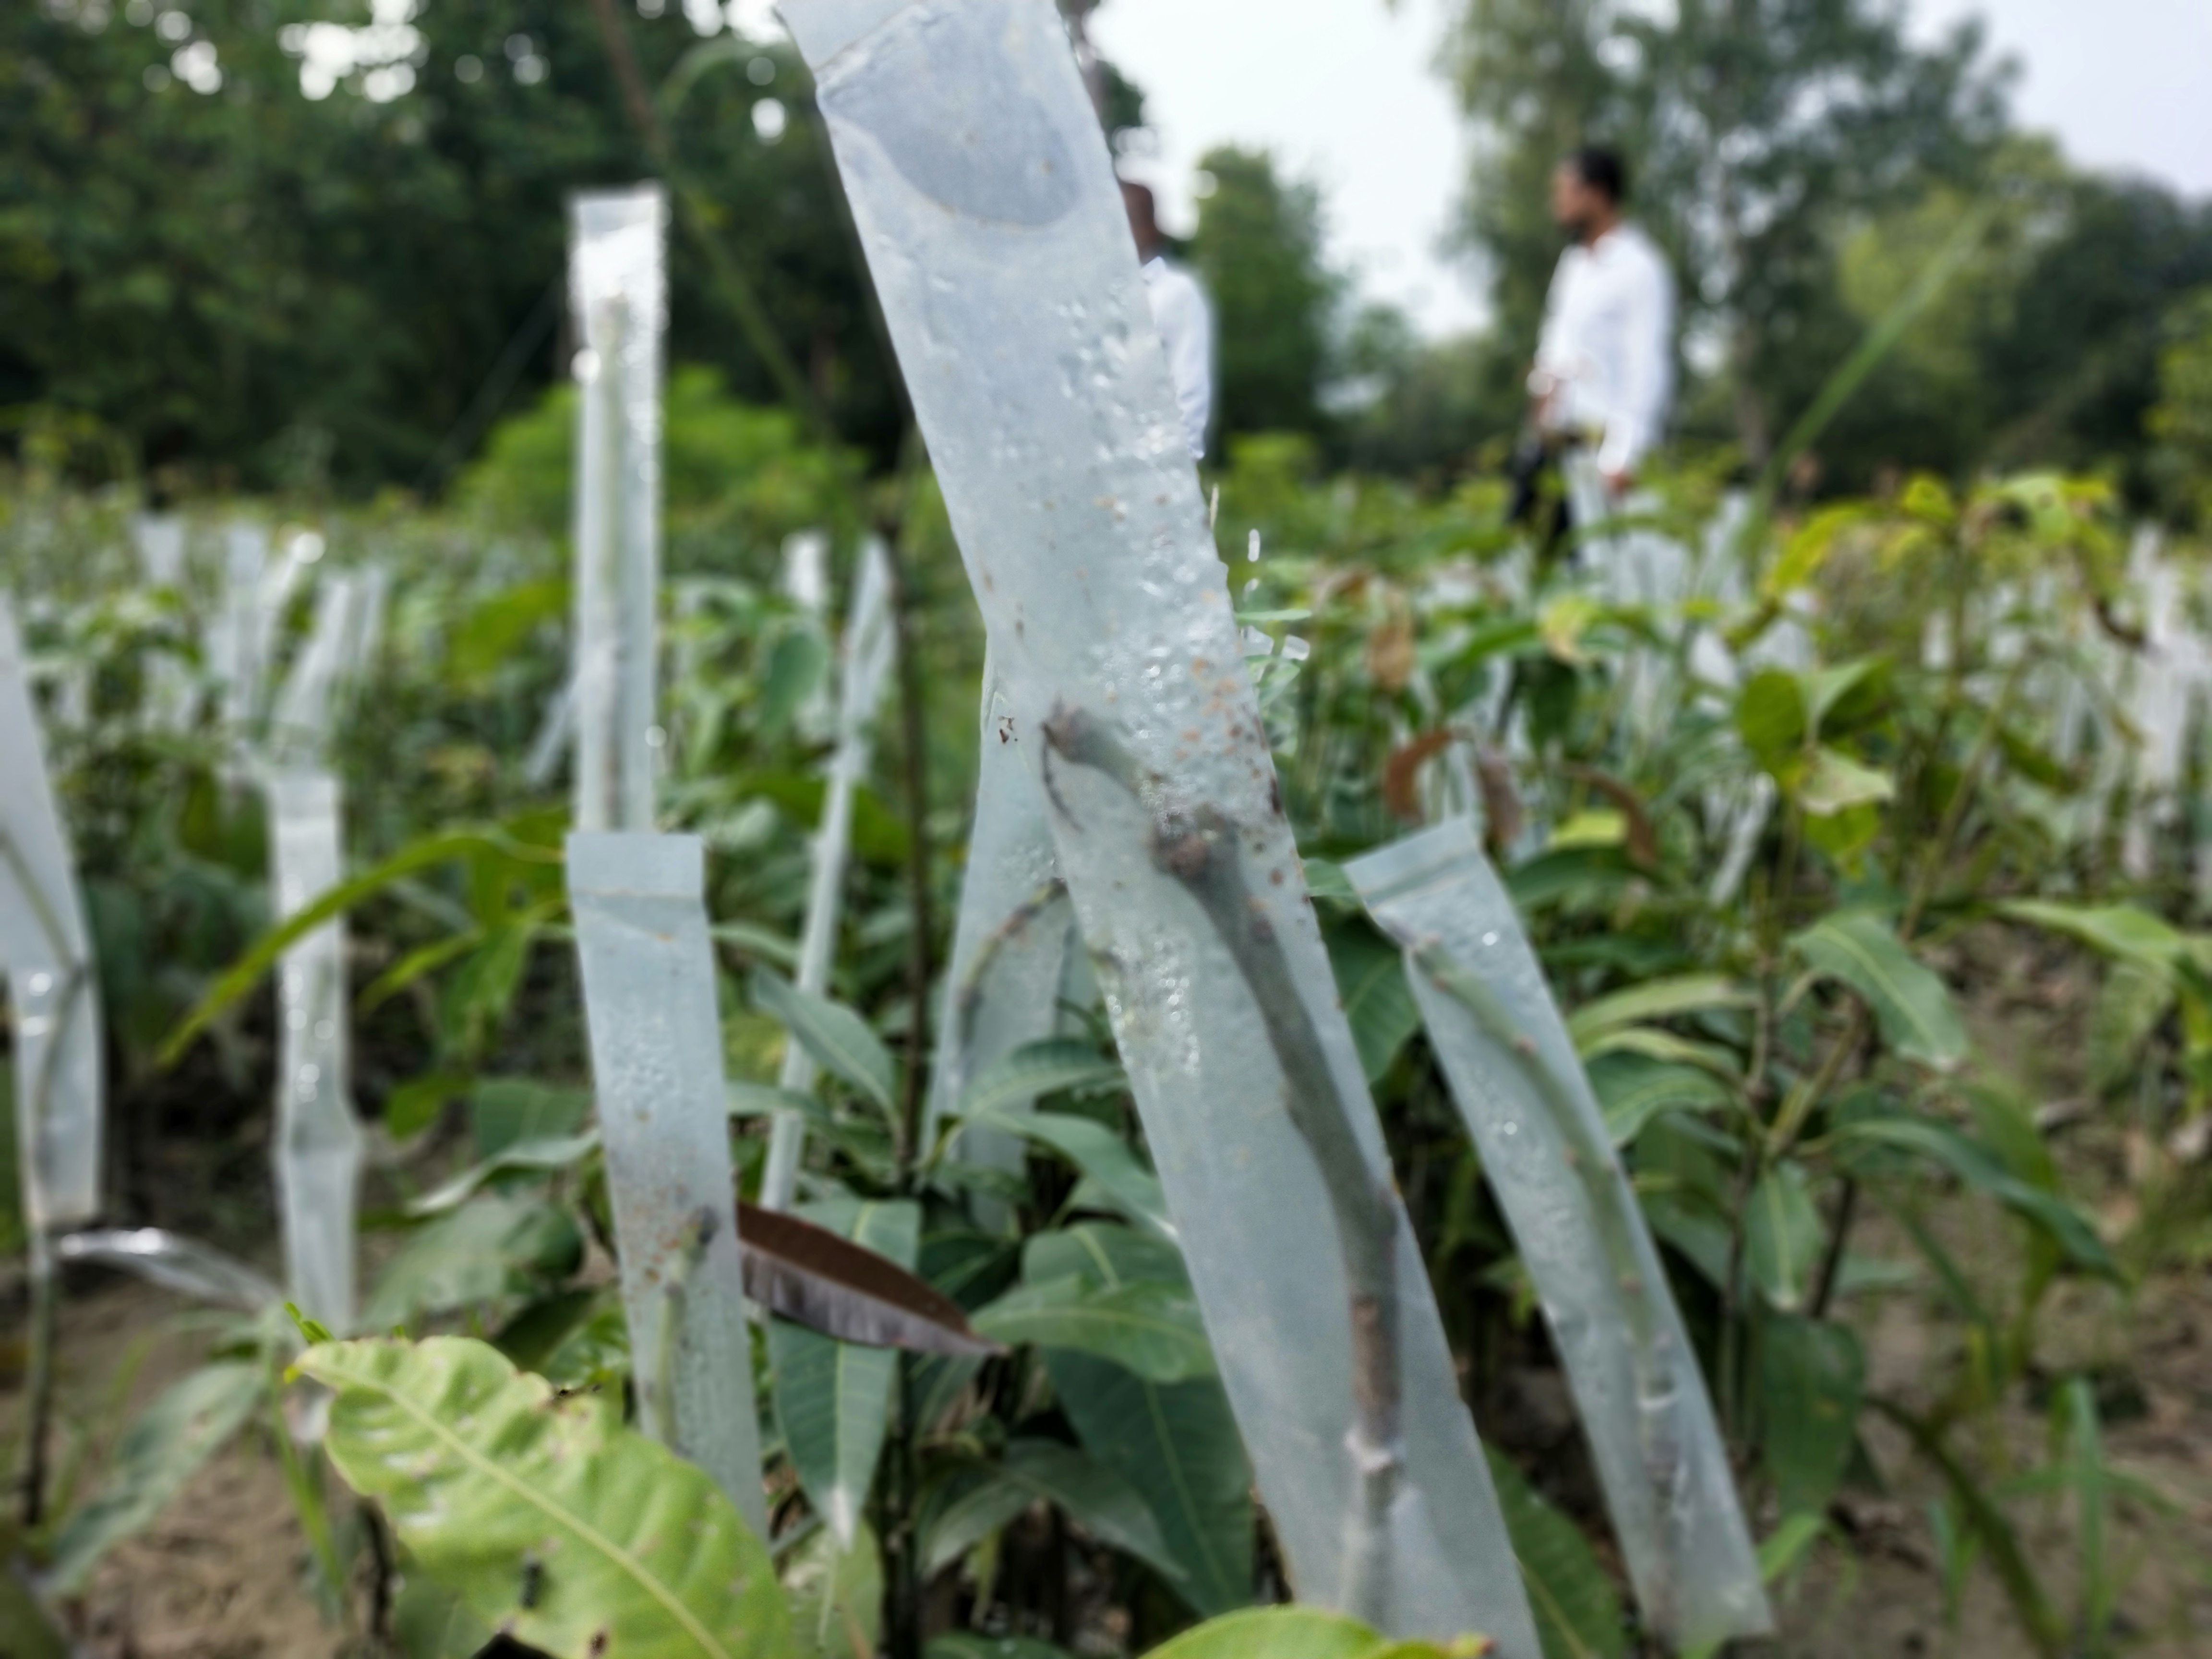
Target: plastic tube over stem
[(987, 204), (1523, 1093), (657, 1066)]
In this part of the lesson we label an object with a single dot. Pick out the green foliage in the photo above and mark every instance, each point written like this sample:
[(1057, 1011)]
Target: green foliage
[(543, 1514), (1258, 251), (736, 477), (833, 1399), (251, 284), (1578, 1612), (162, 1450)]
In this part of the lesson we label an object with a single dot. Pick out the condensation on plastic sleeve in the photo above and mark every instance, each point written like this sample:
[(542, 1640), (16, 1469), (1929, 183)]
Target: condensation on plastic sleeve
[(988, 209), (657, 1068), (319, 1144), (1009, 945), (866, 661), (1521, 1089), (47, 952), (618, 287)]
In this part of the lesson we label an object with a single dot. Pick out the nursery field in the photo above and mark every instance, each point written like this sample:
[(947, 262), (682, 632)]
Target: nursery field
[(711, 1042)]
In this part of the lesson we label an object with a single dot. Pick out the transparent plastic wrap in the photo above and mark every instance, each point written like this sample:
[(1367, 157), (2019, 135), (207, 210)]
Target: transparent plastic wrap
[(866, 662), (1519, 1084), (172, 699), (319, 1144), (300, 723), (1011, 942), (987, 207), (235, 635), (657, 1065), (175, 1263), (618, 287), (47, 952)]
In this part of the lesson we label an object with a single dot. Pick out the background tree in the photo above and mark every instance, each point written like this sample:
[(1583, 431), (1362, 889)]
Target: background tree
[(1754, 130), (262, 287), (1258, 250)]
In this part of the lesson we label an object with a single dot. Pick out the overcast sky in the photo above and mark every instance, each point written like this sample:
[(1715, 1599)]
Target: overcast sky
[(1345, 92)]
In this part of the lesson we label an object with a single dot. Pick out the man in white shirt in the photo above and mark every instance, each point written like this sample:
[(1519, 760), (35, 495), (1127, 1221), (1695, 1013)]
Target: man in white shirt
[(1604, 369), (1181, 314)]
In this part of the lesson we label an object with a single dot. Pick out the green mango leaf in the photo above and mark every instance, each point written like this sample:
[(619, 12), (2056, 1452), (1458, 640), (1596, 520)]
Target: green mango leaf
[(1659, 998), (1785, 1546), (429, 1621), (188, 1424), (413, 1106), (1811, 1376), (1848, 696), (445, 847), (541, 1328), (2119, 931), (1035, 1069), (984, 1498), (503, 1111), (1103, 1252), (1176, 1443), (494, 1245), (838, 1039), (1911, 1004), (833, 1399), (796, 664), (1325, 879), (1303, 1633), (1831, 783), (1578, 1613), (963, 1508), (836, 1593), (1979, 1168), (1370, 981), (1633, 1088), (1145, 1327), (1771, 718), (554, 1524), (1103, 1156), (1782, 1237), (543, 1153)]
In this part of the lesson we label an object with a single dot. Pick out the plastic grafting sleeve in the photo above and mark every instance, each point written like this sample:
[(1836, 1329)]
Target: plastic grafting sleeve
[(1009, 945), (175, 1263), (234, 638), (299, 725), (866, 652), (1523, 1091), (657, 1066), (171, 696), (618, 287), (48, 956), (987, 207), (318, 1145)]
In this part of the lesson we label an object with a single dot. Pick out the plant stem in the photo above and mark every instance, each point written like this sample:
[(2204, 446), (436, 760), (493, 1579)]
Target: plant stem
[(1832, 1262), (1197, 848), (39, 1382), (913, 778)]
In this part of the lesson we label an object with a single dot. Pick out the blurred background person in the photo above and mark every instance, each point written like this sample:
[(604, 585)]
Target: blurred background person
[(1604, 365), (1181, 314)]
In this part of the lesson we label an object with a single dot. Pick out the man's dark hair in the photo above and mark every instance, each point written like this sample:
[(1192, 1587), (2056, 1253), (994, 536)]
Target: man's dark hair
[(1601, 169)]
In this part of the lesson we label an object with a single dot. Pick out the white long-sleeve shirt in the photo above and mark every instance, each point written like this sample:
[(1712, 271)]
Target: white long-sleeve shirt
[(1605, 349), (1185, 322)]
